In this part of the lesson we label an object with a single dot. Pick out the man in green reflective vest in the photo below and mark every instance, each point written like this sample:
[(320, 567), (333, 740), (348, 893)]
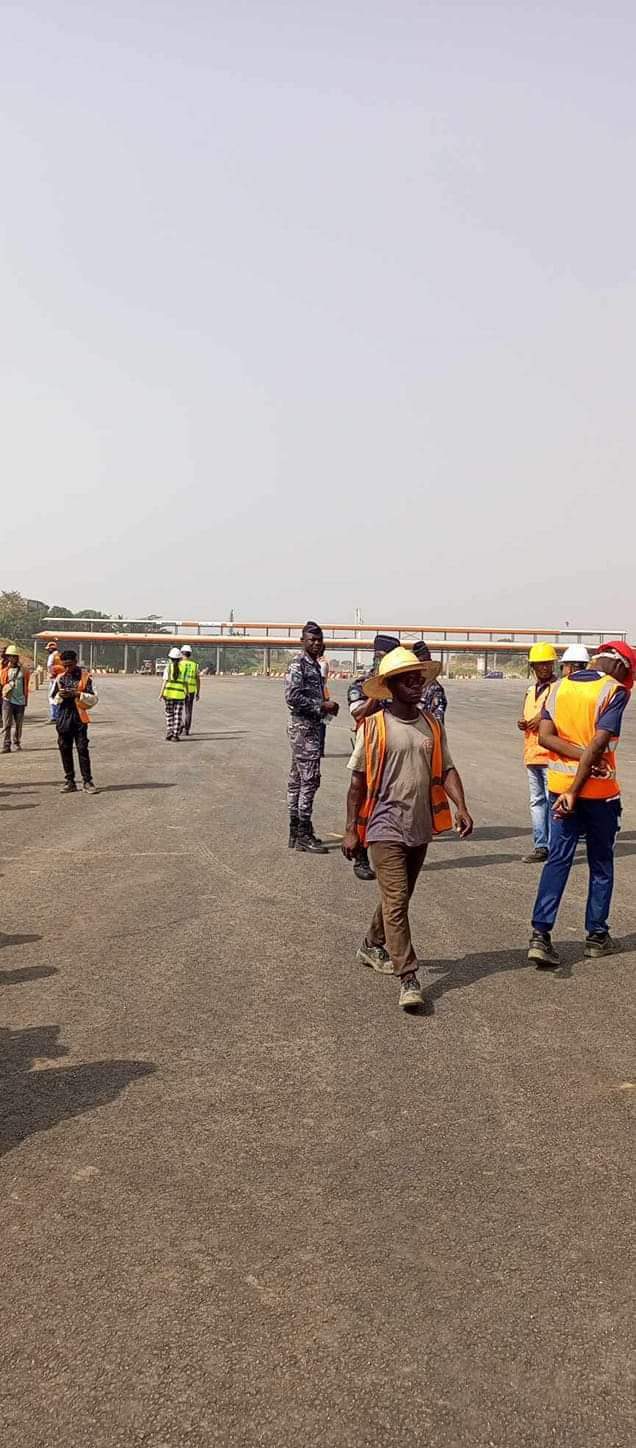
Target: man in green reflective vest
[(193, 685)]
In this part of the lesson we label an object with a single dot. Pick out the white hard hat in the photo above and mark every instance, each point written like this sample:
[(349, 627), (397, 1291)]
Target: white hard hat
[(174, 654), (186, 649), (575, 654)]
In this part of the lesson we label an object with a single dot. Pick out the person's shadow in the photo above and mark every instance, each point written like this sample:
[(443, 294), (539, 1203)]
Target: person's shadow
[(468, 969), (37, 1099)]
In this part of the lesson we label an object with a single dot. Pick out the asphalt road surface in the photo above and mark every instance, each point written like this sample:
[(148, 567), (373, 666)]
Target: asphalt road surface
[(244, 1199)]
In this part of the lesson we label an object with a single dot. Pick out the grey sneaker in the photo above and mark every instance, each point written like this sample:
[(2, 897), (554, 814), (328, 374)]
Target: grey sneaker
[(69, 788), (89, 787), (375, 956), (597, 945), (537, 856), (411, 994), (542, 950)]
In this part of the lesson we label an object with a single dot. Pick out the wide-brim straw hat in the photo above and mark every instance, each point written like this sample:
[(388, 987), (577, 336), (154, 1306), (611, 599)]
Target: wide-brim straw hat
[(399, 661)]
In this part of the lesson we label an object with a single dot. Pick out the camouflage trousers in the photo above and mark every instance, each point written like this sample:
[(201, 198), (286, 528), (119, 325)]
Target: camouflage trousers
[(304, 775)]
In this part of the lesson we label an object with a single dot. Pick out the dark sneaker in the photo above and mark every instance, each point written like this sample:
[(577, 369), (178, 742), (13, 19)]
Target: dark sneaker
[(362, 868), (18, 746), (89, 787), (314, 837), (293, 831), (597, 945), (411, 994), (536, 857), (169, 738), (542, 950), (375, 956), (69, 788), (306, 842)]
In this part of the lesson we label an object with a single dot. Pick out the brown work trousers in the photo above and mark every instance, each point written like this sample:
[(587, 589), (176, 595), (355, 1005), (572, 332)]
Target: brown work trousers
[(397, 868)]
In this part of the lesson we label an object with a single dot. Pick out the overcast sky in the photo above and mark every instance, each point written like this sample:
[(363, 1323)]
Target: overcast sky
[(308, 306)]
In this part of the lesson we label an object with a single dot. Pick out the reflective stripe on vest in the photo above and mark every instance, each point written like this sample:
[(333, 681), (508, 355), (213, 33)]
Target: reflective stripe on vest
[(374, 758), (532, 750), (175, 685), (575, 707)]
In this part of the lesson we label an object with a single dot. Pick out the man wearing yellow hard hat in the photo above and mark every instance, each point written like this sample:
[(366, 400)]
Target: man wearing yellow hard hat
[(542, 660), (14, 682), (402, 777)]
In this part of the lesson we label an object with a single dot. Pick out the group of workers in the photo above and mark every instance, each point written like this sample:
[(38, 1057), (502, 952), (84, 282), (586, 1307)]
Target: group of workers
[(403, 782), (180, 690)]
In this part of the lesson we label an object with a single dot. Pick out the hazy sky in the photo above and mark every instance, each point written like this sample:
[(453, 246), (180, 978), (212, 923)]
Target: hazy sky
[(308, 306)]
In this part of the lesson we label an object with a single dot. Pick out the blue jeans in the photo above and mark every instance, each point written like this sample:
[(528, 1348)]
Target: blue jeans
[(598, 820), (539, 805)]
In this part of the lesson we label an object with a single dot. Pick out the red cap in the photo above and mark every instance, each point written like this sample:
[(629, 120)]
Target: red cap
[(626, 653)]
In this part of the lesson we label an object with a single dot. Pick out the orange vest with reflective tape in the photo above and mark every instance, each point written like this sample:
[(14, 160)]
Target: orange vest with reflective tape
[(532, 751), (374, 757), (574, 708)]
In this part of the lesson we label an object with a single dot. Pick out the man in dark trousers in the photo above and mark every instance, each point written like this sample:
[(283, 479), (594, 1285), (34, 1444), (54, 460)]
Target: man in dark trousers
[(359, 708), (73, 694), (304, 696)]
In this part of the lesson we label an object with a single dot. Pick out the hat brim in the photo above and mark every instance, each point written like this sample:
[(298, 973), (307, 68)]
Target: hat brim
[(376, 687)]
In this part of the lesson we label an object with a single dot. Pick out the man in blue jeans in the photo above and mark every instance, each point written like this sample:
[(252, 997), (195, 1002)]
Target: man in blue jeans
[(580, 726), (542, 661)]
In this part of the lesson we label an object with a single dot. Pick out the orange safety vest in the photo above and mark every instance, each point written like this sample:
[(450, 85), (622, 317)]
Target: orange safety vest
[(575, 707), (83, 713), (374, 757), (55, 666), (532, 751), (4, 678)]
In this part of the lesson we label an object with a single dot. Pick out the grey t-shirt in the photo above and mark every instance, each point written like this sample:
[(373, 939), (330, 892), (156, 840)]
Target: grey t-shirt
[(402, 814)]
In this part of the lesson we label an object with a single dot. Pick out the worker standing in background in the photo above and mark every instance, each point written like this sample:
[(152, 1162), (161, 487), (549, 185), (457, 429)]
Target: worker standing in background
[(14, 681), (74, 695), (580, 727), (324, 674), (193, 686), (574, 658), (173, 693), (433, 698), (54, 666), (305, 699), (542, 659), (360, 707)]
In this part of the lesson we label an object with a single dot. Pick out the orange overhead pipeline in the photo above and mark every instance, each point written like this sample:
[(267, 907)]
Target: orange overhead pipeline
[(261, 641)]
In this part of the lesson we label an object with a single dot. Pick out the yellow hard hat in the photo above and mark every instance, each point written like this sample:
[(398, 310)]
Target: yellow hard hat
[(11, 649), (542, 654), (399, 661)]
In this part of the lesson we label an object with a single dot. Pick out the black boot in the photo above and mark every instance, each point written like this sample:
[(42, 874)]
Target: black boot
[(362, 867), (293, 831), (307, 841)]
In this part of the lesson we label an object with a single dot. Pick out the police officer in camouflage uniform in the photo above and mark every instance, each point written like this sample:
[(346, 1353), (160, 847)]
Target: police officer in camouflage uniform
[(304, 696), (359, 707)]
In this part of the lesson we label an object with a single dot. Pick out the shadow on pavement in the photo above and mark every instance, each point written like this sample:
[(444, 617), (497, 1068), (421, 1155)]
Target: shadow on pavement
[(12, 807), (469, 861), (23, 974), (17, 939), (459, 974), (150, 784), (36, 1100)]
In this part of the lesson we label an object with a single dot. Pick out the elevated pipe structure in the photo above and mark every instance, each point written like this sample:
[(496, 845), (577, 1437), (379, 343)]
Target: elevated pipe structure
[(485, 643)]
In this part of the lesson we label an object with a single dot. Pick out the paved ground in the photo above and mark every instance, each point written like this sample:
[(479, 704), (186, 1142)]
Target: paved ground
[(244, 1200)]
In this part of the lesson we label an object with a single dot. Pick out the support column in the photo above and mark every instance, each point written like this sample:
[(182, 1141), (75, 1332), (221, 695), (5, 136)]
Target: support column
[(267, 661), (125, 658), (218, 658)]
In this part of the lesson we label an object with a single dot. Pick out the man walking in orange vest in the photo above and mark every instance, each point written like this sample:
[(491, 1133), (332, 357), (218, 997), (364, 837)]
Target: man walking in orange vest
[(402, 776), (580, 726), (542, 659)]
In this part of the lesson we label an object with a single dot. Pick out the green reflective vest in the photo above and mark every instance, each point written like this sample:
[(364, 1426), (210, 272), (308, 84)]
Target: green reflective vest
[(175, 685), (192, 675)]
